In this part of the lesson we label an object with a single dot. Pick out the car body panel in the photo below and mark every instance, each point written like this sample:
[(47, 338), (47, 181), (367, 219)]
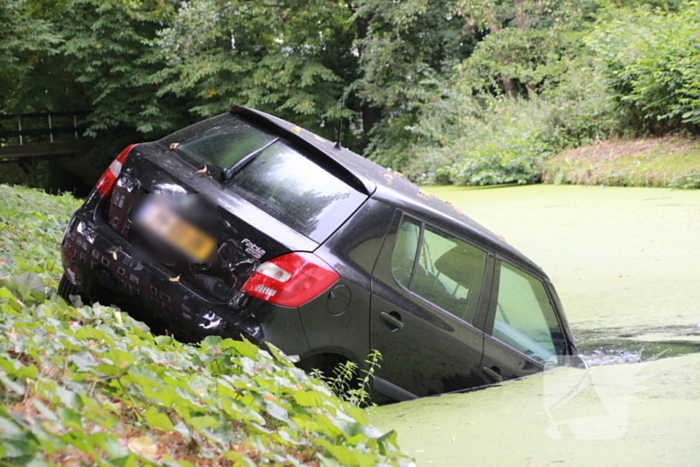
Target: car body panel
[(432, 351), (414, 349), (338, 322)]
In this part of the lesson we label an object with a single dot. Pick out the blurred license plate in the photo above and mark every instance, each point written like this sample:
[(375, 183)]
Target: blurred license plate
[(180, 234)]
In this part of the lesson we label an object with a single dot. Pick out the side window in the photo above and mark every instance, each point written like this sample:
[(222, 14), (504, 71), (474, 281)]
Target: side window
[(405, 252), (447, 271), (525, 319)]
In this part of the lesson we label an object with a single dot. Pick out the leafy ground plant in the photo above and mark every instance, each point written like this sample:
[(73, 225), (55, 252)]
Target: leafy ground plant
[(92, 386), (31, 226), (351, 383)]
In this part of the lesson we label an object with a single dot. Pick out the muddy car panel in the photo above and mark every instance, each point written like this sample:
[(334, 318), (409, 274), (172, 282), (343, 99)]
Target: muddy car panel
[(390, 267)]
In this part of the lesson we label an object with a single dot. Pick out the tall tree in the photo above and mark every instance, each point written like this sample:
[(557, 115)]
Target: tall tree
[(26, 42), (290, 58), (406, 50), (524, 41)]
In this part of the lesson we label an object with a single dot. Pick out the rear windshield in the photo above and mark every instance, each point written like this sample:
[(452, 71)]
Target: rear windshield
[(220, 141), (281, 180)]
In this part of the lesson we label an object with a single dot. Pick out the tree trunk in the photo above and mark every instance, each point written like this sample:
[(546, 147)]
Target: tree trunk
[(508, 83), (511, 88), (370, 115), (520, 19)]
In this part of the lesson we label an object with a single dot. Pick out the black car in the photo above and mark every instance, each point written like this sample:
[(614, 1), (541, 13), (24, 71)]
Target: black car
[(247, 225)]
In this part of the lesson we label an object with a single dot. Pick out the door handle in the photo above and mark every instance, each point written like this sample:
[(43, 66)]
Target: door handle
[(493, 374), (392, 320)]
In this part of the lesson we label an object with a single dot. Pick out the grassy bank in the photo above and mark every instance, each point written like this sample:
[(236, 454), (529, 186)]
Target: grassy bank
[(91, 386), (651, 162)]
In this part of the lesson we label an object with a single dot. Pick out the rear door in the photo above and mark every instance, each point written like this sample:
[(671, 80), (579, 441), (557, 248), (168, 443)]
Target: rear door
[(524, 330), (427, 288)]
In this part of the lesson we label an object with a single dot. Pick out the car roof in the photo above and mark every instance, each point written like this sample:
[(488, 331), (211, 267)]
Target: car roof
[(391, 187)]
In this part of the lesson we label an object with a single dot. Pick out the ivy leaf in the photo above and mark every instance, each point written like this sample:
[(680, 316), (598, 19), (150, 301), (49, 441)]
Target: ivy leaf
[(244, 348), (15, 441), (158, 420), (309, 398), (201, 423), (347, 456)]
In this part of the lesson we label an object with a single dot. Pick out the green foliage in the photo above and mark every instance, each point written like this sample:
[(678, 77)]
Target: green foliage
[(351, 383), (31, 227), (527, 44), (106, 53), (686, 181), (91, 386), (515, 54), (525, 92), (24, 41), (650, 59), (407, 50), (417, 78), (480, 140), (571, 91), (287, 58), (514, 161)]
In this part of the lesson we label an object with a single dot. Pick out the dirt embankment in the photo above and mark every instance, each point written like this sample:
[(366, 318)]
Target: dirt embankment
[(656, 162)]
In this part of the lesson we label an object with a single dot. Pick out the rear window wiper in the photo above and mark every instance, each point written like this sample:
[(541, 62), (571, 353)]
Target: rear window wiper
[(228, 173)]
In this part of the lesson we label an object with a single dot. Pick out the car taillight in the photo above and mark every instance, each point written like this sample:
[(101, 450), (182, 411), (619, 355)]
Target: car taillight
[(106, 182), (291, 280)]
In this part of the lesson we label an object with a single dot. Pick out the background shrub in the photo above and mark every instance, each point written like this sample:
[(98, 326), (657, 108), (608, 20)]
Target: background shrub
[(651, 61)]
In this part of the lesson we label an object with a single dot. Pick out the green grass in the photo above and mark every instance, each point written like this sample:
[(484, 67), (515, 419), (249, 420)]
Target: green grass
[(91, 386), (656, 162)]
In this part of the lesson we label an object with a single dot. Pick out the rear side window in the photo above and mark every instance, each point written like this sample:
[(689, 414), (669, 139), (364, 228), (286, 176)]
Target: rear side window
[(280, 180), (439, 267)]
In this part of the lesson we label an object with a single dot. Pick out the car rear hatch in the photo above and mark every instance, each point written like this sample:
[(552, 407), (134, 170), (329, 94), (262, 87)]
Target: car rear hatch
[(237, 195)]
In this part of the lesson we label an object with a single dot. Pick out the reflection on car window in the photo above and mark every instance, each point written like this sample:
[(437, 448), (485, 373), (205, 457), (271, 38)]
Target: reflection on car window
[(448, 271), (292, 188), (280, 180), (404, 254), (525, 319), (221, 141)]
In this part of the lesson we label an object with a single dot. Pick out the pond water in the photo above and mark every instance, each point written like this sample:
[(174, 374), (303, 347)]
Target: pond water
[(626, 264), (622, 415)]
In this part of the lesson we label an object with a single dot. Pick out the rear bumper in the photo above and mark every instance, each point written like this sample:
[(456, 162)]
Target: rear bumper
[(99, 262)]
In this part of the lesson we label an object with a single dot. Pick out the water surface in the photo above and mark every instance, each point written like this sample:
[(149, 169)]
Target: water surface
[(626, 264)]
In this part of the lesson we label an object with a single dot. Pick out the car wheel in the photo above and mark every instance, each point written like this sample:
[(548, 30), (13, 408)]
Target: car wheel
[(66, 288), (325, 363)]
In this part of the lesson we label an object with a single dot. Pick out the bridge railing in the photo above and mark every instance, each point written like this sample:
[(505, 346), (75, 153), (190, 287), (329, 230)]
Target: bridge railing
[(41, 128)]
